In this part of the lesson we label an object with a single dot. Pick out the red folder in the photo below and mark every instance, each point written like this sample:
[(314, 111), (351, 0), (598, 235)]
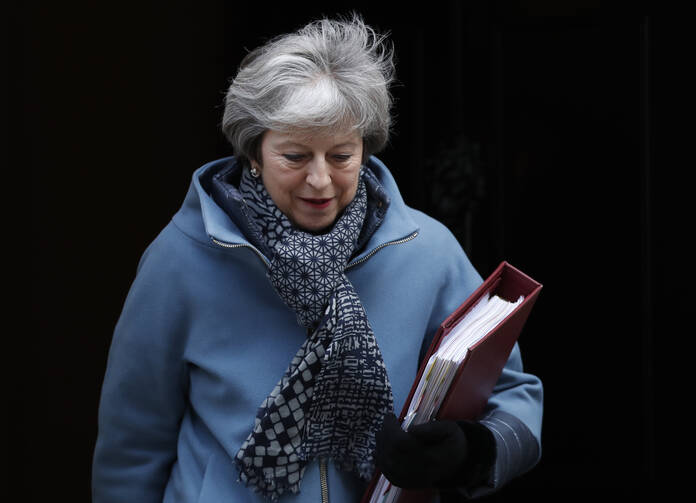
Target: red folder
[(481, 368)]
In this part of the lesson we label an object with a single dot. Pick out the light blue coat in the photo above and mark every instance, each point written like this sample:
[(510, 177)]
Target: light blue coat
[(203, 338)]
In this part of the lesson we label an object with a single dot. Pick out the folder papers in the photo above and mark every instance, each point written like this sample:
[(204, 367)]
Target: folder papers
[(464, 362), (442, 366)]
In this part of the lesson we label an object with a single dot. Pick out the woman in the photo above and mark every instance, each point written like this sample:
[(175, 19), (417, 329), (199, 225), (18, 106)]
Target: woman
[(277, 322)]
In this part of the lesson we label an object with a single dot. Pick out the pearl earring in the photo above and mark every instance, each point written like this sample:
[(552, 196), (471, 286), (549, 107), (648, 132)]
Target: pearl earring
[(254, 172)]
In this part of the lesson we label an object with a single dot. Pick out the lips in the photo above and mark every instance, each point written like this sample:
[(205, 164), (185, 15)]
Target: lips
[(316, 202)]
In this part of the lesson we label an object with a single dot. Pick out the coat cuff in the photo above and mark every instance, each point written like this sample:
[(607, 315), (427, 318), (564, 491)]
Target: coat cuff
[(516, 452)]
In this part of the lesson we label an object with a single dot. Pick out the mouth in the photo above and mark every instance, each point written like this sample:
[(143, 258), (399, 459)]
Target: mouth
[(316, 202)]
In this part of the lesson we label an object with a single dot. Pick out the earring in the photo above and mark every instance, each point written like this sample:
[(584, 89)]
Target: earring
[(254, 172)]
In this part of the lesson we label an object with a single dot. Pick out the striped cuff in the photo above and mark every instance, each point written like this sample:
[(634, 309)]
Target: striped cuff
[(517, 451)]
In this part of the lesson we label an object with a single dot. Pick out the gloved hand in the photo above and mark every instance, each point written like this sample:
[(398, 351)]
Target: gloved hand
[(437, 454)]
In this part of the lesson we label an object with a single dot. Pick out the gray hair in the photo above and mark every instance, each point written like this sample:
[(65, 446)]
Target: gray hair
[(331, 74)]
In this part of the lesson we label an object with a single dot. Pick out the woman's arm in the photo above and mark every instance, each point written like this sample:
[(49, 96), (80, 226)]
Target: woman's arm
[(513, 415), (143, 395)]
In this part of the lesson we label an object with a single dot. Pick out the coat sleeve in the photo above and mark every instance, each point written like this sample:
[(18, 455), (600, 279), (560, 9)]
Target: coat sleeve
[(514, 411), (143, 395)]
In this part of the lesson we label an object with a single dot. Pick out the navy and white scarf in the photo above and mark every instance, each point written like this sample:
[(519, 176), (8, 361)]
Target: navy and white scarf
[(334, 395)]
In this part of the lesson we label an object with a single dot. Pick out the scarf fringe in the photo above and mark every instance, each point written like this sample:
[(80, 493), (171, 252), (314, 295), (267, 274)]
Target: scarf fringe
[(269, 487)]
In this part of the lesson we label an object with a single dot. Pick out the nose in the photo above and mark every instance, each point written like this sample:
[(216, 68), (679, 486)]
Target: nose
[(318, 174)]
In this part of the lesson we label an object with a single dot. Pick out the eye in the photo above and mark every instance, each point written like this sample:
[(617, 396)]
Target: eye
[(294, 157), (342, 157)]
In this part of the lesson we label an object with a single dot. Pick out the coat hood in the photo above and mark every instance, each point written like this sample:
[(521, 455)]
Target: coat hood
[(202, 219)]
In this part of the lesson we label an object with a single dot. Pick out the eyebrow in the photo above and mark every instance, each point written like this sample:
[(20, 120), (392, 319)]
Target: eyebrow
[(290, 143)]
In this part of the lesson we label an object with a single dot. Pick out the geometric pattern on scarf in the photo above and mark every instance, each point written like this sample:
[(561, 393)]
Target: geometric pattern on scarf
[(334, 394)]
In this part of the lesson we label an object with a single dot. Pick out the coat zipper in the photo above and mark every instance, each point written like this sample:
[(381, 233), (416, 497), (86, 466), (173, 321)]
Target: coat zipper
[(242, 245), (323, 480), (352, 264), (397, 242)]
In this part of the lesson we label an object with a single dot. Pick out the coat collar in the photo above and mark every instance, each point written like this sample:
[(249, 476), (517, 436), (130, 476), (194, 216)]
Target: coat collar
[(391, 223)]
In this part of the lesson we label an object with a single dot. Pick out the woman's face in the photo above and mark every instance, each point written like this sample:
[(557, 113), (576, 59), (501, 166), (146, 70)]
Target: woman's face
[(311, 177)]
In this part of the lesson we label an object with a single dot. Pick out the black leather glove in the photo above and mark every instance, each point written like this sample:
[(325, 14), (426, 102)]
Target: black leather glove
[(437, 454)]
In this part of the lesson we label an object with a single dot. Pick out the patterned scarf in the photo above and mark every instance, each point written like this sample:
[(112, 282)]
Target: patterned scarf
[(333, 396)]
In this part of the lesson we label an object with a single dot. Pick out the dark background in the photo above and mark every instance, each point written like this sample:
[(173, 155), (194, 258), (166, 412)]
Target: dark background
[(527, 127)]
